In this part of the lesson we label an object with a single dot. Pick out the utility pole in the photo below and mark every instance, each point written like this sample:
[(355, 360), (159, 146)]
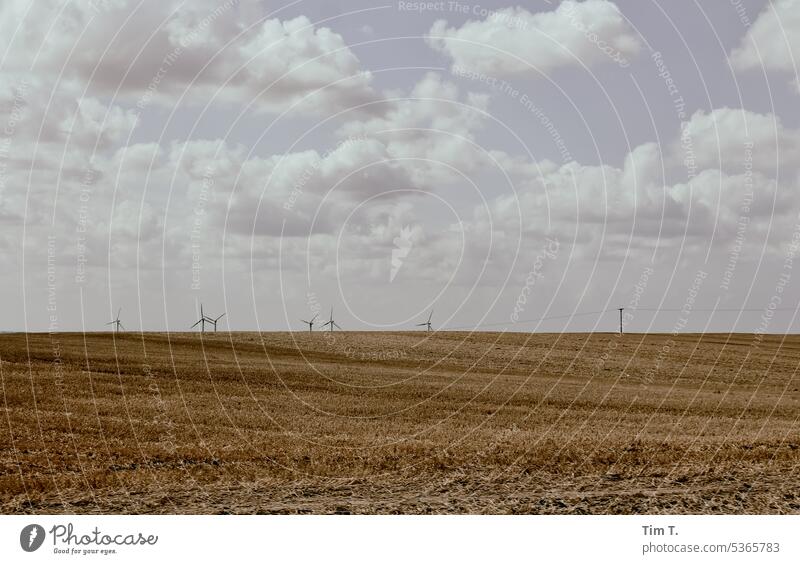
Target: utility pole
[(620, 320)]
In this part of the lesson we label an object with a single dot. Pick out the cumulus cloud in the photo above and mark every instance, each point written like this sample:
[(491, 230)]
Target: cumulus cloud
[(732, 138), (434, 124), (773, 41), (423, 160), (202, 49), (515, 41), (607, 211), (650, 203)]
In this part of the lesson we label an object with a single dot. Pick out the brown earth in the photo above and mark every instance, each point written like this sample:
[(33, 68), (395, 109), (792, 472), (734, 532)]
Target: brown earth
[(399, 423)]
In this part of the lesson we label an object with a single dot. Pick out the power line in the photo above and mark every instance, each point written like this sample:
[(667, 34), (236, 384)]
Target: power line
[(586, 313), (730, 309), (524, 321)]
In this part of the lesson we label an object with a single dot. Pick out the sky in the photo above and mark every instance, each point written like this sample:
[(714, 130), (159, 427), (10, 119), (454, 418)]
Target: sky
[(524, 167)]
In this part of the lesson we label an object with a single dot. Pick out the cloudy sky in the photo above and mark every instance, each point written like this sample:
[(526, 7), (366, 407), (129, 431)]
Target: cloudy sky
[(499, 163)]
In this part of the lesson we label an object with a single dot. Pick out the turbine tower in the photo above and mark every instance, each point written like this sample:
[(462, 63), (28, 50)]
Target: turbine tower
[(311, 323), (206, 319), (331, 323), (427, 323), (214, 321), (202, 321), (117, 323)]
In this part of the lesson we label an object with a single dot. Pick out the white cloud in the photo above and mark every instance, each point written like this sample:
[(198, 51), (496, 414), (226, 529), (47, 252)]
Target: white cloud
[(257, 195), (93, 124), (616, 212), (773, 41), (434, 124), (154, 55), (151, 206), (516, 41), (732, 138)]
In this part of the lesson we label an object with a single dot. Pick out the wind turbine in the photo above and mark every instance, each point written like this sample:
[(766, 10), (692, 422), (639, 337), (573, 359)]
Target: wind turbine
[(311, 323), (117, 323), (214, 321), (206, 319), (331, 322), (427, 323), (202, 321)]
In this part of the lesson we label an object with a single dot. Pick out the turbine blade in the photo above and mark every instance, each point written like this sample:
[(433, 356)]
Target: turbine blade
[(123, 327), (218, 318), (313, 318), (196, 324), (304, 321), (111, 323), (430, 316), (336, 325), (118, 312)]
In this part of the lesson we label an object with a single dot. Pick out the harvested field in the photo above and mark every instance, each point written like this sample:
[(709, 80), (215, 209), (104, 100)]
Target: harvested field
[(399, 423)]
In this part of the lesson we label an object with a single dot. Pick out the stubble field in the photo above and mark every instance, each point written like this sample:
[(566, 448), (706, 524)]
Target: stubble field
[(399, 423)]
